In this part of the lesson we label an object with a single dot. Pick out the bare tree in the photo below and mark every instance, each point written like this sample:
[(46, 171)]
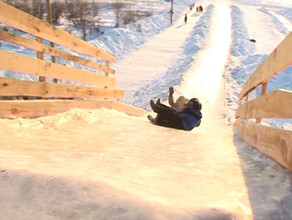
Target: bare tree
[(22, 5), (118, 9), (34, 7), (94, 24), (37, 8), (58, 9), (80, 13), (133, 16), (71, 8)]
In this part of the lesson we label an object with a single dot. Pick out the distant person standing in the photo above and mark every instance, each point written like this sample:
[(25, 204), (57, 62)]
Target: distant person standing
[(186, 18), (201, 9)]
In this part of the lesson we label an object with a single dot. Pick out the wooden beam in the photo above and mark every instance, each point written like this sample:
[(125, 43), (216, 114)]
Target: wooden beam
[(49, 10), (277, 104), (50, 20), (263, 92), (30, 24), (29, 65), (40, 55), (128, 109), (14, 87), (274, 143), (276, 62), (42, 48), (39, 108)]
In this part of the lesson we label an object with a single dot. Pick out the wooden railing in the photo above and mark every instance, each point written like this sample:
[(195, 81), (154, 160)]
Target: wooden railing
[(273, 142), (95, 80)]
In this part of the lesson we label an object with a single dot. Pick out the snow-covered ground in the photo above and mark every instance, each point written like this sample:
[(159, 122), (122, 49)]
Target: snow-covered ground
[(104, 164)]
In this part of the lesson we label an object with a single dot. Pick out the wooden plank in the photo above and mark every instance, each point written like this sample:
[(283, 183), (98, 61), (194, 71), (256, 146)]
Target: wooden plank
[(30, 24), (40, 55), (274, 143), (277, 104), (276, 62), (39, 108), (128, 109), (29, 65), (14, 87), (33, 45), (263, 92)]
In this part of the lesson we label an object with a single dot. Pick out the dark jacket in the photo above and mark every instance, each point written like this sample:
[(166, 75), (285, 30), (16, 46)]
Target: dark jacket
[(190, 118)]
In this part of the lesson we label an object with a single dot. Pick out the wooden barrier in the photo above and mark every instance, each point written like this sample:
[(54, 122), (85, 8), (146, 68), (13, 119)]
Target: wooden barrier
[(34, 45), (37, 108), (273, 142), (25, 64), (86, 87), (14, 87), (30, 24), (276, 62), (276, 104)]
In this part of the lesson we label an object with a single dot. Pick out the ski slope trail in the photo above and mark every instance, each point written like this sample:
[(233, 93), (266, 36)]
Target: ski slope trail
[(104, 164), (256, 18), (155, 57), (204, 79)]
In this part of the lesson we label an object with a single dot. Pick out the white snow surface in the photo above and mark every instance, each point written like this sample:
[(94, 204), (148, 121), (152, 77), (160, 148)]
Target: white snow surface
[(104, 164)]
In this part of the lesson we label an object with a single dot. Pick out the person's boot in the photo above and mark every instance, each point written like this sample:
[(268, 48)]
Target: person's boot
[(160, 105), (158, 102), (154, 107), (151, 119)]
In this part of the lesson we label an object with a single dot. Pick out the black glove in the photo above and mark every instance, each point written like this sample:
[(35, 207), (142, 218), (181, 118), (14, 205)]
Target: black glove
[(171, 91)]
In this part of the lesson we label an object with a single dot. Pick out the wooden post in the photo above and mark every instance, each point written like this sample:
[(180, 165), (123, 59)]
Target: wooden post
[(171, 11), (106, 73), (246, 97), (50, 20), (41, 57), (264, 88), (263, 92)]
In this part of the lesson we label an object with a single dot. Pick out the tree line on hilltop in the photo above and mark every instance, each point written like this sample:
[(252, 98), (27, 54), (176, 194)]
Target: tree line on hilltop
[(82, 14)]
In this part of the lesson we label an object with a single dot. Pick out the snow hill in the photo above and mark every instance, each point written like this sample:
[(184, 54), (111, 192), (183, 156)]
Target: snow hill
[(104, 164)]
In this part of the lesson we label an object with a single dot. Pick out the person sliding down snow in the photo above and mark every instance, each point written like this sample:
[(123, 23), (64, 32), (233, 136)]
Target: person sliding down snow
[(187, 119)]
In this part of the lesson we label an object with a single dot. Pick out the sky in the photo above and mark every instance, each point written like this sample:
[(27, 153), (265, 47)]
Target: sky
[(89, 164)]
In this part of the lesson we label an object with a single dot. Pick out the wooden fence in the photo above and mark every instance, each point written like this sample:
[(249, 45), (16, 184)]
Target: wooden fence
[(95, 81), (273, 142)]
